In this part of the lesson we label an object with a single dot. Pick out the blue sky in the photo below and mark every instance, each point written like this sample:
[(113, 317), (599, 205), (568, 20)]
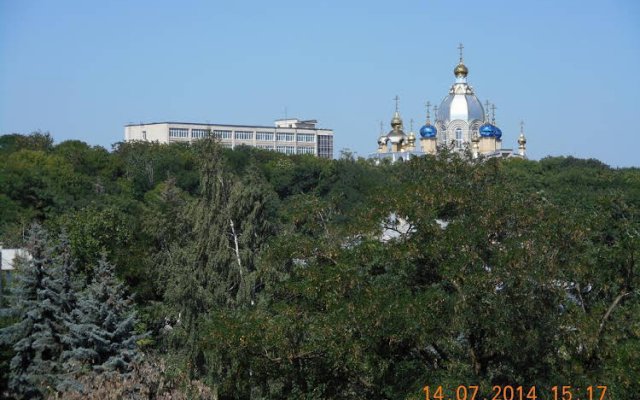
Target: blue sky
[(84, 69)]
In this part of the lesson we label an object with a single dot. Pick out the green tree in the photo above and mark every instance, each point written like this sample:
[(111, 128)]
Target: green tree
[(604, 344), (147, 164), (35, 141), (95, 230), (212, 269)]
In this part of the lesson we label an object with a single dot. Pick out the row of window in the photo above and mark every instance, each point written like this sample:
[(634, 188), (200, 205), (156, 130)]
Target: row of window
[(264, 136), (325, 146), (285, 137), (178, 132), (306, 150), (199, 133), (244, 135), (241, 135), (286, 149), (325, 142), (304, 137), (222, 134)]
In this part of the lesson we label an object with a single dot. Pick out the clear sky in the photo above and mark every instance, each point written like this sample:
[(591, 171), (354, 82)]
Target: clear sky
[(84, 69)]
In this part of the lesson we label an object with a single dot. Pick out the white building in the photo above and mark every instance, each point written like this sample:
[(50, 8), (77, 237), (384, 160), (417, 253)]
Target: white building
[(289, 136), (8, 259)]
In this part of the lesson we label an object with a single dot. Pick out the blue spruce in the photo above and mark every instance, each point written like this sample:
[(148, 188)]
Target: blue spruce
[(101, 328), (40, 301)]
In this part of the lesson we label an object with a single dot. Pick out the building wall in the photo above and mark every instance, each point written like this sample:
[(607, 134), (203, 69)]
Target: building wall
[(149, 132), (8, 258)]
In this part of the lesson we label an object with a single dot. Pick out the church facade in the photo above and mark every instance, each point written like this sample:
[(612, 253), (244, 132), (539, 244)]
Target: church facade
[(461, 123)]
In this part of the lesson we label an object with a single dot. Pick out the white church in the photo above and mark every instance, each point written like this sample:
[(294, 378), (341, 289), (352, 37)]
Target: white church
[(461, 123)]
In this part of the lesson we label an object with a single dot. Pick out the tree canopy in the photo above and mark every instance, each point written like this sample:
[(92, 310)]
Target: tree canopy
[(261, 275)]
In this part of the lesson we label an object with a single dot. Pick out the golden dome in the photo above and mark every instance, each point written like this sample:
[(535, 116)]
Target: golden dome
[(411, 139), (396, 120), (461, 70), (522, 140)]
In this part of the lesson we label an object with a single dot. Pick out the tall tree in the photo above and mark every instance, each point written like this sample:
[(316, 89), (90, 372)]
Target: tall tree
[(42, 297), (102, 326), (213, 267)]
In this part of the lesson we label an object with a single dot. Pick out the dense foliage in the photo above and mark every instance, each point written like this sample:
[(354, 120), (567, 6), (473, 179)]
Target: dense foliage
[(261, 275)]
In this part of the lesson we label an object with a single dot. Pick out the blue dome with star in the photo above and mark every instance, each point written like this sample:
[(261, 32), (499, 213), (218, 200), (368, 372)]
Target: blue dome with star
[(488, 130), (428, 131)]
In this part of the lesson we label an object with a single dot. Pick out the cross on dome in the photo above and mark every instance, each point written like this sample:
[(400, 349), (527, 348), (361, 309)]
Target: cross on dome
[(461, 70)]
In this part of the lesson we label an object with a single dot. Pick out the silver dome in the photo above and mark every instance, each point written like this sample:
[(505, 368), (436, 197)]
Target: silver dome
[(464, 107), (396, 136)]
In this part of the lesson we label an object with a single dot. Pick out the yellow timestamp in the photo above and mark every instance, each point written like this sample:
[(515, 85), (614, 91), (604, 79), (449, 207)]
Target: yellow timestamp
[(509, 392)]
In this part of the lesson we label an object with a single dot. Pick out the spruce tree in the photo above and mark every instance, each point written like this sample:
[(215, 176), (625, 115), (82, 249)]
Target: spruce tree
[(66, 275), (101, 327), (37, 336)]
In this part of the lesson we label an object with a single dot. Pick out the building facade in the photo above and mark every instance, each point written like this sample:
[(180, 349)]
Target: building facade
[(289, 136), (461, 124), (8, 260)]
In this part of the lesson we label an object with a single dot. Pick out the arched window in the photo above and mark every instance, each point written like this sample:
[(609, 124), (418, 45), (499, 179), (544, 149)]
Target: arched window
[(459, 138)]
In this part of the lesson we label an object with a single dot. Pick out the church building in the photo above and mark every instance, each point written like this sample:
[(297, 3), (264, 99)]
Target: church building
[(461, 124)]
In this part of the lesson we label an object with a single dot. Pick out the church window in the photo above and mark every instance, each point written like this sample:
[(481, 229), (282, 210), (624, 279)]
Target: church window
[(459, 138)]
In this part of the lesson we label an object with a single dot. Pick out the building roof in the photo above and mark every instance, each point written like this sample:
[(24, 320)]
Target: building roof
[(230, 125)]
